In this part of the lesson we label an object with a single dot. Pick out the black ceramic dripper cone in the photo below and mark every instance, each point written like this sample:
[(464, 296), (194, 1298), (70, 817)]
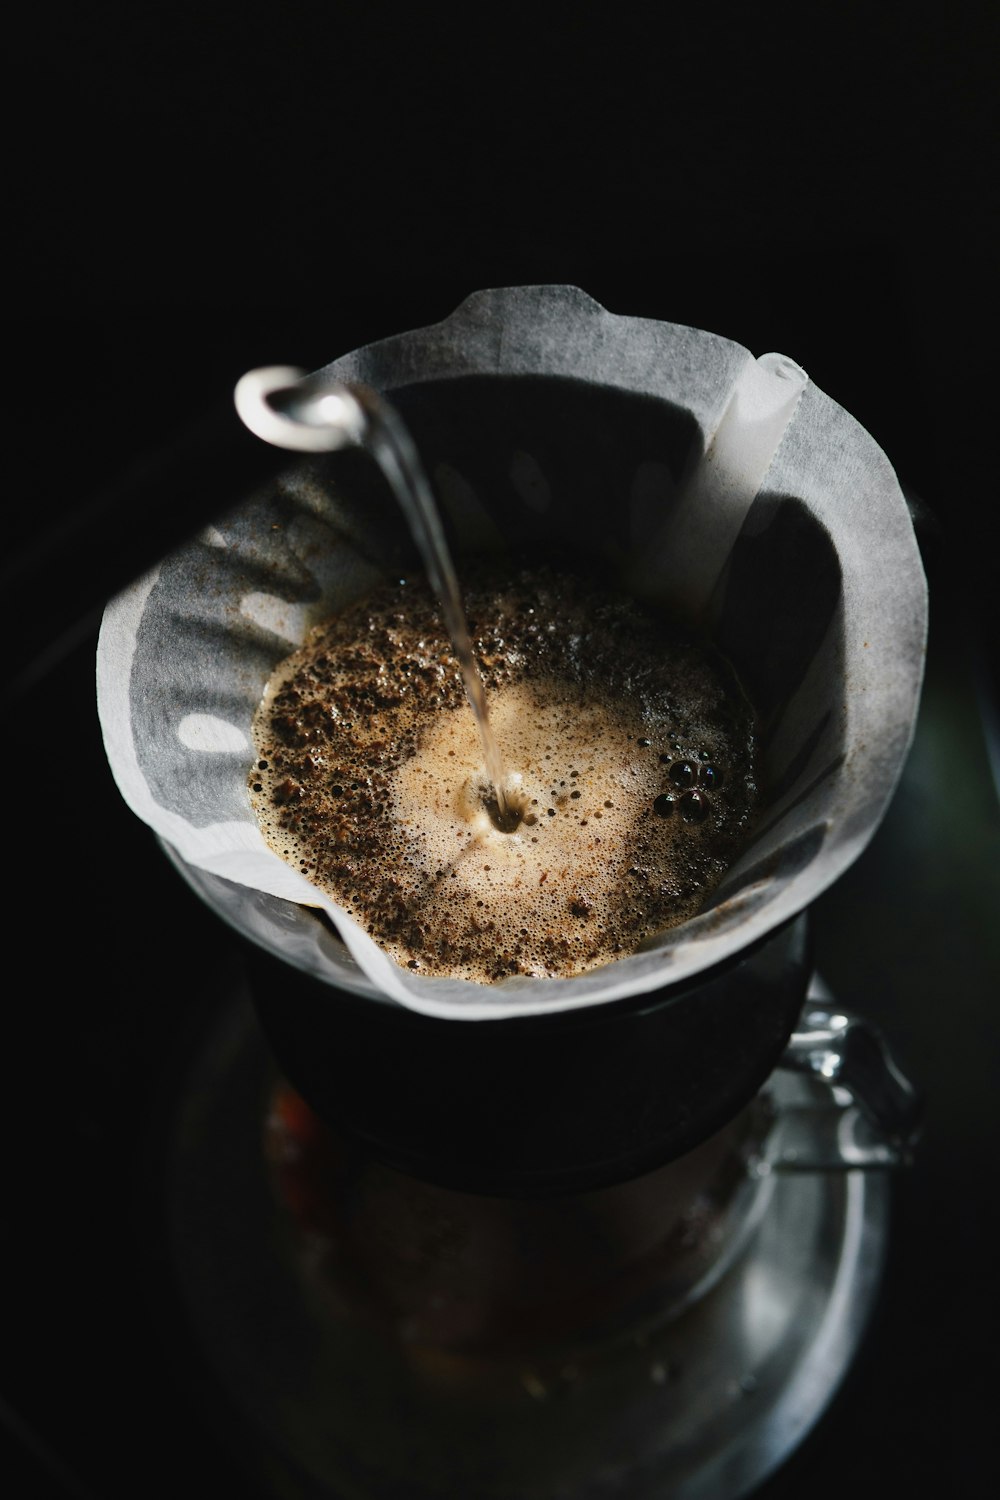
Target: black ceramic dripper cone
[(537, 1105)]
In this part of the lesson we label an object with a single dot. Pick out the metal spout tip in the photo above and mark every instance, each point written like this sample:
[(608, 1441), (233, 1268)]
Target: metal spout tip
[(278, 404)]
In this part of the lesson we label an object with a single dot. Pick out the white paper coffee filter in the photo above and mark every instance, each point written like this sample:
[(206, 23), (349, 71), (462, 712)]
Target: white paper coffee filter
[(706, 479)]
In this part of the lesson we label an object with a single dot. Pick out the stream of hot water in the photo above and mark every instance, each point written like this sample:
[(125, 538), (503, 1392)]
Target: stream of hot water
[(360, 416), (390, 444)]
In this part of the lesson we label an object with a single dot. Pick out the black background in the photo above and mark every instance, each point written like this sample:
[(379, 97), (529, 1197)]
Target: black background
[(188, 197)]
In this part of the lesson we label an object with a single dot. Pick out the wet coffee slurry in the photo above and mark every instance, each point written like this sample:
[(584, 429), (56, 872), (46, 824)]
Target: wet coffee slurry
[(631, 788)]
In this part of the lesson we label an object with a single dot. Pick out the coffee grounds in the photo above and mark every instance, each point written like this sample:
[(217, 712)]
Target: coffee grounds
[(631, 757)]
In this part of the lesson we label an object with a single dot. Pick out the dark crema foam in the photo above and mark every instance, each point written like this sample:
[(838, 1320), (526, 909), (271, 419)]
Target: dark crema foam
[(631, 783)]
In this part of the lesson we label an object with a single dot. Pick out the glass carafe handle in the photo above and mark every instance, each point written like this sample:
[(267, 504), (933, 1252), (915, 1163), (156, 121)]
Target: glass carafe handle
[(856, 1108)]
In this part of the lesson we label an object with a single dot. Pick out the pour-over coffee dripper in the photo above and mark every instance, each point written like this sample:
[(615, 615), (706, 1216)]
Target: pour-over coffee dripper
[(609, 1089)]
